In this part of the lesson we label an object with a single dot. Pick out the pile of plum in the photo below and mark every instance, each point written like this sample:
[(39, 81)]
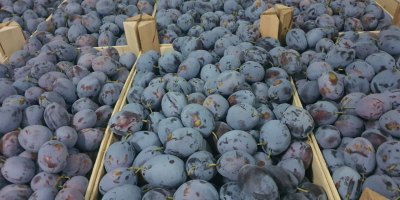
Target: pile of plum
[(27, 13), (178, 18), (55, 106), (80, 23), (350, 85), (199, 128)]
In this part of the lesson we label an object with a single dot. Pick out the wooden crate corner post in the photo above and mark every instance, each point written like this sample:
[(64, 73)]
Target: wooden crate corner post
[(276, 22), (12, 39), (141, 33), (396, 15)]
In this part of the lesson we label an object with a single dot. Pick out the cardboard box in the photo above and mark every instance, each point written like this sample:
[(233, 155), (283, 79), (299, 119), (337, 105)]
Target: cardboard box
[(276, 22), (141, 33), (12, 39)]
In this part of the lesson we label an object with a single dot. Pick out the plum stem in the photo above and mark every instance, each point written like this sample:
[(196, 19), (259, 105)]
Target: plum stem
[(308, 137), (169, 90), (272, 96), (64, 176), (156, 66), (44, 98), (339, 113), (187, 96), (326, 69), (215, 135), (159, 148), (59, 68), (252, 42), (348, 107), (376, 40), (345, 104), (269, 154), (21, 101), (146, 190), (222, 45), (167, 197), (148, 106), (391, 167), (258, 114), (303, 190), (394, 189), (211, 165), (272, 64), (27, 80), (193, 168), (138, 169), (127, 135), (305, 74), (145, 121), (209, 91), (347, 74), (235, 69), (363, 177), (53, 138), (112, 81), (218, 115), (262, 144), (323, 49)]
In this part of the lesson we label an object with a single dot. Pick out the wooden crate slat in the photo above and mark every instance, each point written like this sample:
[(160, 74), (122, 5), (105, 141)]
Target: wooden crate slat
[(98, 169)]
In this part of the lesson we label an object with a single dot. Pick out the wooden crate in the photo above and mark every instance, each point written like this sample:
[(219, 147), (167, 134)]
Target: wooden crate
[(319, 167), (318, 176), (135, 29), (328, 184), (12, 39), (392, 7), (98, 169)]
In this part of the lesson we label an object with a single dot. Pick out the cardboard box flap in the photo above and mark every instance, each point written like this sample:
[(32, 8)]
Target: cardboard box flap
[(141, 17), (270, 11), (281, 8), (9, 24), (12, 39)]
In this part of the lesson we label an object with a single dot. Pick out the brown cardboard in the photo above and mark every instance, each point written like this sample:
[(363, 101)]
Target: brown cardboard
[(276, 22), (12, 39), (368, 194), (141, 33)]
